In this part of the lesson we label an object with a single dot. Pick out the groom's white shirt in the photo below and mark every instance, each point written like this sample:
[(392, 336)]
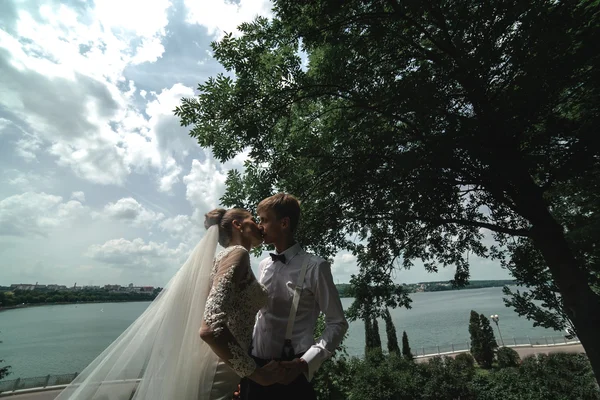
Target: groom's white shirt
[(319, 294)]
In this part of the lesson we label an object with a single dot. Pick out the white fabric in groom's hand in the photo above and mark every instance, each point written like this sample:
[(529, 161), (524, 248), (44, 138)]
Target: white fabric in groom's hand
[(163, 346), (319, 294)]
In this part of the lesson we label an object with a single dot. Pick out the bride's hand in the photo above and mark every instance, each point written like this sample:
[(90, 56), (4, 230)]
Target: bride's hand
[(272, 366), (268, 374)]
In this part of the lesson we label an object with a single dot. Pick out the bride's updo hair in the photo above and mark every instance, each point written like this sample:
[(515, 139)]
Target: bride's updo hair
[(224, 219)]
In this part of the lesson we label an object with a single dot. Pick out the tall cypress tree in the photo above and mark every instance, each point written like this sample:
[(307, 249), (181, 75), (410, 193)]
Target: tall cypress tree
[(475, 332), (488, 342), (406, 353), (390, 330)]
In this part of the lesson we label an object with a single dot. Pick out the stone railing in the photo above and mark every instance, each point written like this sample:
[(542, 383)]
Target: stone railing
[(36, 382), (460, 347)]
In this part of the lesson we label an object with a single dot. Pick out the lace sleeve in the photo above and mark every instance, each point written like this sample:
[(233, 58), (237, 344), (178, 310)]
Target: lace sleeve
[(229, 274)]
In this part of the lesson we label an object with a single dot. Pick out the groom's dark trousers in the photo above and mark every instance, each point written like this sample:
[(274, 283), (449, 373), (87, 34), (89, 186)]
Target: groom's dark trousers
[(299, 389)]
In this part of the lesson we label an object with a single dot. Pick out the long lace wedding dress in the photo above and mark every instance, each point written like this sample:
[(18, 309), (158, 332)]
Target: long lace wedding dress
[(235, 298), (161, 356)]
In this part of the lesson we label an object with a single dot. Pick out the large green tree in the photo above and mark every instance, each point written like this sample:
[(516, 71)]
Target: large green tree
[(410, 129)]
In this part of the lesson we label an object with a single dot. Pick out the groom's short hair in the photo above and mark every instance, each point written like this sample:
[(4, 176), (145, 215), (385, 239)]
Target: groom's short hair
[(283, 205)]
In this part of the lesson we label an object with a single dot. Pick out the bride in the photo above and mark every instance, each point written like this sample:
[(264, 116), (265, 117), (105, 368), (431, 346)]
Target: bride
[(192, 341)]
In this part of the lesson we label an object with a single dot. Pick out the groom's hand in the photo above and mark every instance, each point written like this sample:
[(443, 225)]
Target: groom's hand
[(293, 369), (268, 374)]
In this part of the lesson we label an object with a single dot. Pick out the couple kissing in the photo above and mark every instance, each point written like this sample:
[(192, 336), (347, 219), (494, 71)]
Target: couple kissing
[(216, 326)]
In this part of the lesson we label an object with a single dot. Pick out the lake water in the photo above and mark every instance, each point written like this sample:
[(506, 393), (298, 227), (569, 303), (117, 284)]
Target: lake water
[(64, 338)]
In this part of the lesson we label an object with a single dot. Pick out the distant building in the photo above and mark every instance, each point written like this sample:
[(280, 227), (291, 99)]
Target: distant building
[(56, 287), (147, 289), (22, 286), (141, 289)]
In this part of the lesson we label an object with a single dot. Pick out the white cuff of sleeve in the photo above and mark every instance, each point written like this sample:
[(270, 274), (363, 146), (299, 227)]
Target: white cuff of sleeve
[(314, 357)]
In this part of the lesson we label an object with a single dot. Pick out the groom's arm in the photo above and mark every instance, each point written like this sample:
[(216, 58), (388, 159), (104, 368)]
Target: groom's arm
[(336, 325)]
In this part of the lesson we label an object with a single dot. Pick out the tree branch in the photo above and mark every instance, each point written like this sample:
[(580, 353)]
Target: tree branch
[(480, 224)]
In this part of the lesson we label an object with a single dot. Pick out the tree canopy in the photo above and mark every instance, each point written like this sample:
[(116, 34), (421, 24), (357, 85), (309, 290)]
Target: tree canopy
[(410, 129)]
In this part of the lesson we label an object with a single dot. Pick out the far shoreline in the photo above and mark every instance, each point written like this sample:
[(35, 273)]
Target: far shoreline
[(64, 303), (342, 295), (467, 287)]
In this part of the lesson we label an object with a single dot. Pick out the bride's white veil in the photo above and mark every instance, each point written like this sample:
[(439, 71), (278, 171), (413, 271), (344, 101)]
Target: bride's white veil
[(160, 355)]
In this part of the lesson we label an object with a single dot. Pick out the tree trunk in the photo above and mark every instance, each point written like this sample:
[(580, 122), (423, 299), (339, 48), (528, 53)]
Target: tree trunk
[(582, 305)]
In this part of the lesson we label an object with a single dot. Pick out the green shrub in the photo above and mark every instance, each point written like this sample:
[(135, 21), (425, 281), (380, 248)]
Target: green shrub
[(558, 376), (378, 377), (443, 378), (564, 375), (465, 363), (391, 377), (507, 357), (333, 379)]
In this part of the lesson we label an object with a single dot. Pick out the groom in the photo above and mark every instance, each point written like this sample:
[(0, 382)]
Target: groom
[(280, 273)]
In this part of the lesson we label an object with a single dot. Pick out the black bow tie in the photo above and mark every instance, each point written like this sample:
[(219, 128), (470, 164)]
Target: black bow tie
[(277, 257)]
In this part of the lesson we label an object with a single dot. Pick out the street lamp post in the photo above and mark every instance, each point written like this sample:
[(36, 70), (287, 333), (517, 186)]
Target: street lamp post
[(496, 318)]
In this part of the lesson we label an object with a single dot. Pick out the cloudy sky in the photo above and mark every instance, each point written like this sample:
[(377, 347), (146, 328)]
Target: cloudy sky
[(98, 182)]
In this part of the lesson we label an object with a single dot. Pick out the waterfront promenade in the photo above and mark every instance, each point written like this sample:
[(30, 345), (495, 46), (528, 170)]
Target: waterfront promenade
[(523, 351), (50, 393)]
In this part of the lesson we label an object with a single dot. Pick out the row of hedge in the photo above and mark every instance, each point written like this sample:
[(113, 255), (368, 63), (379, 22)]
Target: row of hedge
[(379, 376)]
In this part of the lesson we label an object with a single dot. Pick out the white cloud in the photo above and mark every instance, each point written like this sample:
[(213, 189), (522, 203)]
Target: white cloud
[(28, 146), (69, 102), (221, 16), (238, 161), (184, 228), (170, 177), (121, 15), (37, 214), (171, 139), (344, 264), (137, 254), (205, 184), (22, 180), (177, 226), (74, 63), (79, 196), (4, 123), (128, 209), (96, 161), (28, 181), (149, 51)]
